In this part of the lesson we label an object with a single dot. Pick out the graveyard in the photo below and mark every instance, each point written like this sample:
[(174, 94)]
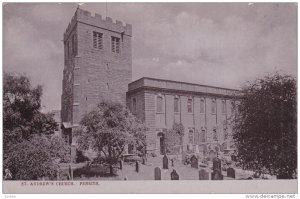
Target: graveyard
[(173, 168)]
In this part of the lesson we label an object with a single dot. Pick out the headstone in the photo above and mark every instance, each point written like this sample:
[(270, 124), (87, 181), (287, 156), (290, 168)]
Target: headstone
[(203, 175), (217, 164), (174, 175), (137, 166), (121, 164), (216, 175), (157, 173), (194, 162), (165, 162), (231, 172)]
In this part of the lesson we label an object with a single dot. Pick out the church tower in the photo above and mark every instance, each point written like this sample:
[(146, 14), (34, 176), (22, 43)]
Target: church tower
[(97, 65)]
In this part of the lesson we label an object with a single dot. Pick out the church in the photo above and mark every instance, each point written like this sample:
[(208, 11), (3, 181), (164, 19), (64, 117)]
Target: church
[(98, 65)]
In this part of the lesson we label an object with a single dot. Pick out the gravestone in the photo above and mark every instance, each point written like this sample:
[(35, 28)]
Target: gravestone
[(216, 175), (217, 164), (137, 166), (121, 164), (231, 172), (194, 162), (165, 162), (174, 175), (203, 175), (157, 173)]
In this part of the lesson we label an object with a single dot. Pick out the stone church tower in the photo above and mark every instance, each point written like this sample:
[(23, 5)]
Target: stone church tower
[(97, 65)]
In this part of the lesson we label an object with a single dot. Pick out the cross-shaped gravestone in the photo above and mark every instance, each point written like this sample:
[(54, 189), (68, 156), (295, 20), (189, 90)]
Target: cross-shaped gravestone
[(231, 172), (217, 164), (203, 175), (157, 173), (174, 175), (165, 162), (194, 162), (216, 175)]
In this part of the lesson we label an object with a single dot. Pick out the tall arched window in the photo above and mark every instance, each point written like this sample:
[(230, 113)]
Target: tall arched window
[(213, 106), (223, 107), (202, 106), (215, 135), (190, 105), (134, 105), (191, 136), (159, 104), (176, 105)]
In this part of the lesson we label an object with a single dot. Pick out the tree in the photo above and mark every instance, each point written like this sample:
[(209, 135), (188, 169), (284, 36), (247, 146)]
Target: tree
[(174, 137), (30, 150), (37, 157), (108, 129), (264, 127), (21, 111)]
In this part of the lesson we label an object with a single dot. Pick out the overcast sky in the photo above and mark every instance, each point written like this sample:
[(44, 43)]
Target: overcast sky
[(221, 44)]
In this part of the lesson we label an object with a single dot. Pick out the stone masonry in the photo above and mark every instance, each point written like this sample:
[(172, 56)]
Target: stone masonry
[(95, 68)]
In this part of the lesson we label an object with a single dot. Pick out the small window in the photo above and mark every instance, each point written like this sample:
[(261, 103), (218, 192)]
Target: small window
[(202, 106), (191, 137), (176, 105), (97, 40), (213, 107), (134, 105), (159, 104), (74, 49), (115, 44), (190, 105), (223, 107)]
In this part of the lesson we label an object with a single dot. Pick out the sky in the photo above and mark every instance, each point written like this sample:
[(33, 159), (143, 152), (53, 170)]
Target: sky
[(218, 44)]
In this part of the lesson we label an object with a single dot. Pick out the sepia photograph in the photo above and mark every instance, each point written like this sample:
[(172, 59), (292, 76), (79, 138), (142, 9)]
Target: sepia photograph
[(124, 97)]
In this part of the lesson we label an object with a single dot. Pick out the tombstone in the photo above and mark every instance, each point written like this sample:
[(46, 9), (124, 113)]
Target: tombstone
[(231, 172), (157, 173), (172, 162), (137, 166), (217, 164), (165, 162), (174, 175), (194, 162), (121, 164), (216, 175), (203, 175)]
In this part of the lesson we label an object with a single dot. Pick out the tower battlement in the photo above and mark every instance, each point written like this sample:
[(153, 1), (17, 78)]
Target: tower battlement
[(83, 16)]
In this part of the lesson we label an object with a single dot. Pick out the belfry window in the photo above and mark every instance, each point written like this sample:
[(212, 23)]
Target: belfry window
[(97, 40), (115, 44)]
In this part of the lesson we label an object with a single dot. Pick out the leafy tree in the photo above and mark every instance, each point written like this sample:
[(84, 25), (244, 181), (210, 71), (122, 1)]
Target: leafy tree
[(107, 129), (174, 137), (21, 111), (265, 128), (29, 150), (36, 158)]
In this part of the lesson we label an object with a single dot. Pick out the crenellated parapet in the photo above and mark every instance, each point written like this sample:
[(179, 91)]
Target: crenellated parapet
[(83, 16)]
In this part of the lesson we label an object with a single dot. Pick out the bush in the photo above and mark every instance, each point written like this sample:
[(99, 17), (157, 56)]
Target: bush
[(80, 157)]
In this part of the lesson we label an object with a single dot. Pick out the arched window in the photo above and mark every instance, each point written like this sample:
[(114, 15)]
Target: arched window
[(202, 106), (159, 104), (190, 105), (191, 136), (225, 133), (134, 105), (176, 105), (223, 107), (203, 135), (213, 106), (215, 135)]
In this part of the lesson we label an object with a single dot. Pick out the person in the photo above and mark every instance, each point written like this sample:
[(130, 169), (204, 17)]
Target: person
[(8, 175)]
